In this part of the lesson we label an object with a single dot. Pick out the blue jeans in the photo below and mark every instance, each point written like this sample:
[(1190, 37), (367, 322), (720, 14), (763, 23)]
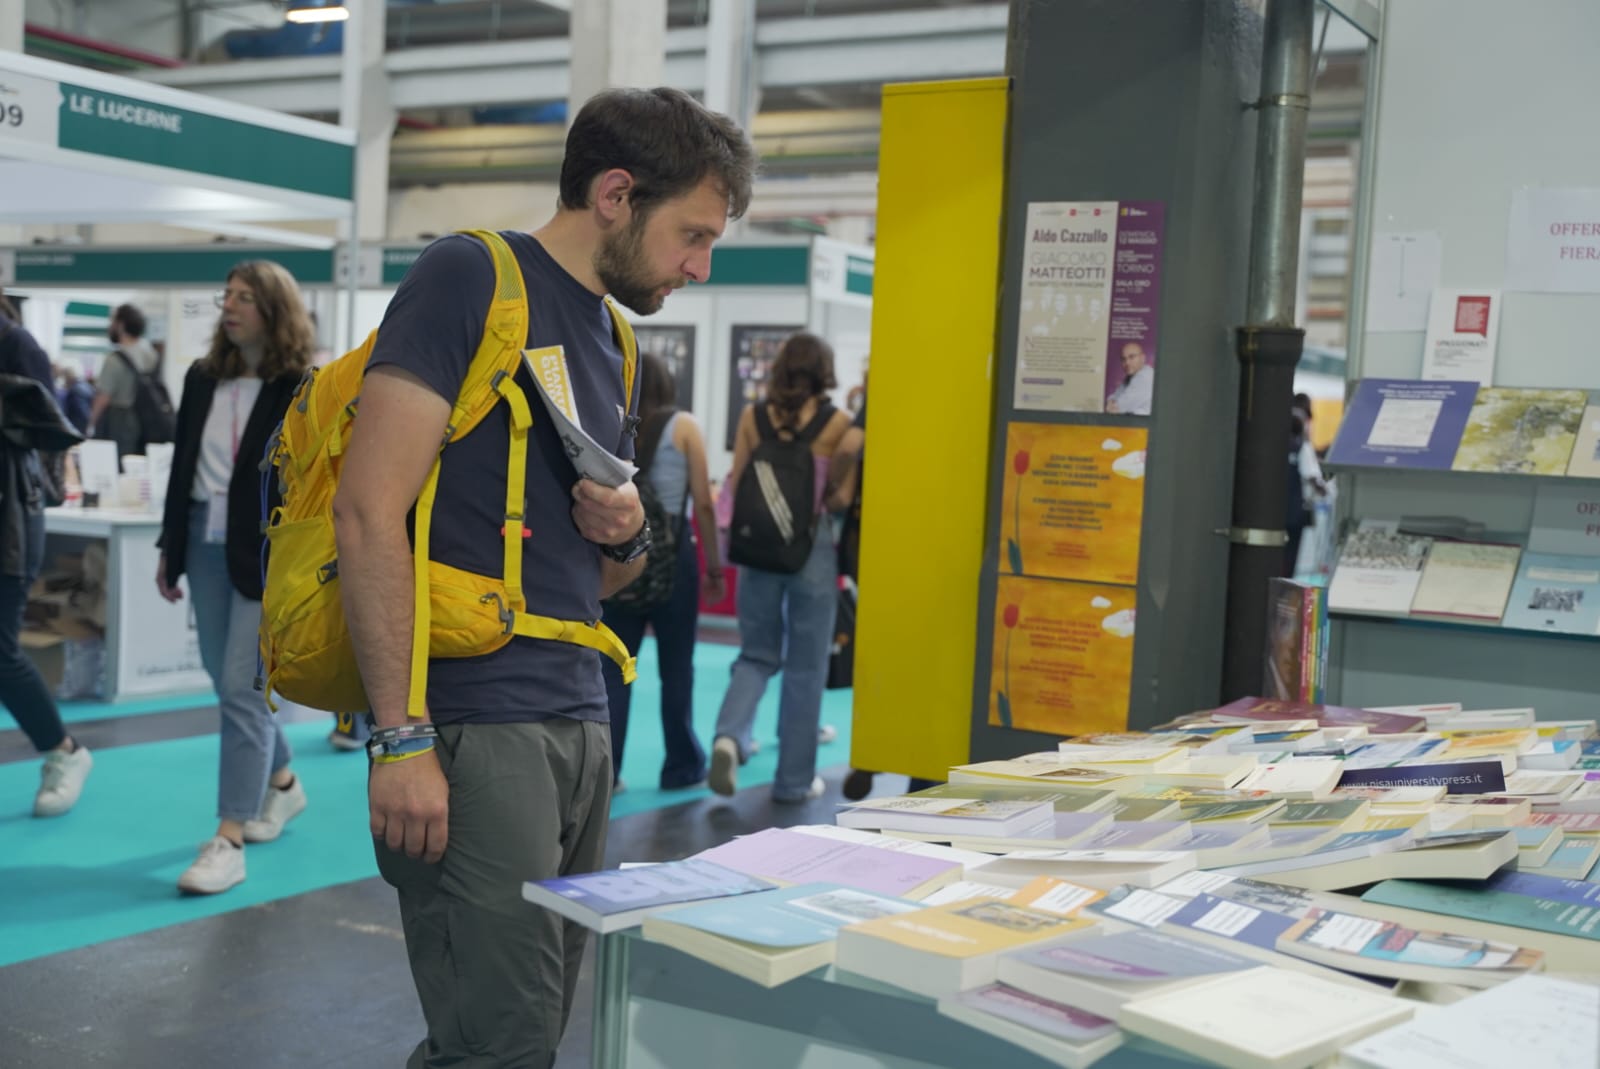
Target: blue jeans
[(253, 746), (22, 689), (785, 622), (674, 623)]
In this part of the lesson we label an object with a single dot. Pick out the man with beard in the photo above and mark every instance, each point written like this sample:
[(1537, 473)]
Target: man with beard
[(517, 784)]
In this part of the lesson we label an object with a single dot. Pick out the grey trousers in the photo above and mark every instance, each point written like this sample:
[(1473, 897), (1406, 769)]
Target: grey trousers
[(495, 974)]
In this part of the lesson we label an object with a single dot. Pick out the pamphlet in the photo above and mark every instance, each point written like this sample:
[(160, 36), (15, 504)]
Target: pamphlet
[(1463, 326), (1399, 423), (593, 462)]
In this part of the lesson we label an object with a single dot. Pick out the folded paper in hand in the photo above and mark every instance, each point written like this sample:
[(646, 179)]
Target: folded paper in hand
[(548, 367)]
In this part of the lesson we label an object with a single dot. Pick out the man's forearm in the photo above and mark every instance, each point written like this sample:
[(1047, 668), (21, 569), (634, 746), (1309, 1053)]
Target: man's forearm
[(614, 576), (375, 580)]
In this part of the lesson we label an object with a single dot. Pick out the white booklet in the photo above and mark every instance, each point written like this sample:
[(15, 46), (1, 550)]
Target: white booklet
[(1463, 329), (593, 461)]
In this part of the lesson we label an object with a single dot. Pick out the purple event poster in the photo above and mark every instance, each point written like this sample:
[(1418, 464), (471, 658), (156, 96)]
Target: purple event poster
[(1131, 350), (1403, 423)]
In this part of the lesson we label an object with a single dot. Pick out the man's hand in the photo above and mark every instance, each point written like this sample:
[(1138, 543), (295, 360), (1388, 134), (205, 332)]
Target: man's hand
[(605, 516), (408, 804), (170, 591), (714, 588)]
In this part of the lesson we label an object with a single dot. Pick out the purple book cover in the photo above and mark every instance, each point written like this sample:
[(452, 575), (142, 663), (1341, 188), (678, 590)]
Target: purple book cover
[(1131, 345), (795, 857), (1456, 777), (1549, 888), (1267, 710), (1402, 423)]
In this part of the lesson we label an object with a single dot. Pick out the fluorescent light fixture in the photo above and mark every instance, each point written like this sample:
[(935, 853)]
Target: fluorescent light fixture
[(303, 14)]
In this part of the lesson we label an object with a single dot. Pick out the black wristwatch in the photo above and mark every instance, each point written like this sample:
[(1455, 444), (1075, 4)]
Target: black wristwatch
[(631, 550)]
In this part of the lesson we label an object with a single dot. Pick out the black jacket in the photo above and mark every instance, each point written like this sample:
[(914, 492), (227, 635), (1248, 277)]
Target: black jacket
[(30, 419), (244, 489)]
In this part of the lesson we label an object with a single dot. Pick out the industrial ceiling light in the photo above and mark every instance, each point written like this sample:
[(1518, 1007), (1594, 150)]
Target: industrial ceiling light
[(307, 13)]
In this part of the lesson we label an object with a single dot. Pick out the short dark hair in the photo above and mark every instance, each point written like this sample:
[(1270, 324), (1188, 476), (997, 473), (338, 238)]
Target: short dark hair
[(803, 370), (668, 141), (130, 319), (1302, 401)]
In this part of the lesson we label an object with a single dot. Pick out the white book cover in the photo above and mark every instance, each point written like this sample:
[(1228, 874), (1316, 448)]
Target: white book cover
[(1267, 1018), (593, 461), (1379, 569), (1463, 329), (1467, 579), (1530, 1021), (1585, 462)]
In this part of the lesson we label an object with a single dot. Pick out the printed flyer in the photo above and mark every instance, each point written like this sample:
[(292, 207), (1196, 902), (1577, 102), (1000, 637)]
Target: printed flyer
[(1088, 322), (1073, 502), (1063, 656)]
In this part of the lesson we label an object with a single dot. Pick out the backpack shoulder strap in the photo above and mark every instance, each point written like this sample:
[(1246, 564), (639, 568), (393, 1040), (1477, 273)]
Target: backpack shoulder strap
[(505, 333), (808, 434), (764, 425), (622, 330)]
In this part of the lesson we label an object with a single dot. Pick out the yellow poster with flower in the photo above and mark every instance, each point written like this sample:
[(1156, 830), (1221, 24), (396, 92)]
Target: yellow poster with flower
[(1073, 502), (1063, 656)]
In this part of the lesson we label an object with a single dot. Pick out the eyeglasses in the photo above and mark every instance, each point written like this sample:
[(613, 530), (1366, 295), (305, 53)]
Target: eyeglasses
[(242, 296)]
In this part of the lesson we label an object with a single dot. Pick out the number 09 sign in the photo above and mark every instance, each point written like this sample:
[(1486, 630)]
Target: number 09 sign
[(30, 109)]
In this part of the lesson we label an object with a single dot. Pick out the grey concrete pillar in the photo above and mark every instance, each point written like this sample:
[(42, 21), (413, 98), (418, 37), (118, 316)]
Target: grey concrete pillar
[(731, 84), (615, 43)]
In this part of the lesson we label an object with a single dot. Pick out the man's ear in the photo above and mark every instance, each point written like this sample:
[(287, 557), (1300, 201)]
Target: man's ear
[(613, 192)]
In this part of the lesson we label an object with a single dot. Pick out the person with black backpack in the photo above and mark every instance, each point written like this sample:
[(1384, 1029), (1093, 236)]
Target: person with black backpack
[(666, 597), (789, 573), (132, 406)]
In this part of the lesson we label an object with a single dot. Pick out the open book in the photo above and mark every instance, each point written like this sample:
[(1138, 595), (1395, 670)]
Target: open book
[(593, 461)]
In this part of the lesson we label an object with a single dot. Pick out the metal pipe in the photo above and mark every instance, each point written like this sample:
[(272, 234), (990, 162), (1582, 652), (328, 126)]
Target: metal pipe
[(1269, 346)]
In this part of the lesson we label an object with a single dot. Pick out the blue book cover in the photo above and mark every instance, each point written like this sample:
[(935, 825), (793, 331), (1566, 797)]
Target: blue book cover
[(1244, 923), (1456, 777), (1555, 593), (1402, 423), (620, 891), (1141, 956), (788, 917)]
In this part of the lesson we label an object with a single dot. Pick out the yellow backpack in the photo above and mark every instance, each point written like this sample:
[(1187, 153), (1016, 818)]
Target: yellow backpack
[(305, 644)]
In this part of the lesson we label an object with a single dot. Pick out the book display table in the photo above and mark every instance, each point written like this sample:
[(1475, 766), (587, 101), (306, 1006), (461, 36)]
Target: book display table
[(656, 1008)]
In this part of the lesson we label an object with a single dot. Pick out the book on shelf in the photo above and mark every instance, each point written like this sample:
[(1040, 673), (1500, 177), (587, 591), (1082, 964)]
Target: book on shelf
[(950, 816), (1040, 769), (1335, 814), (1246, 811), (1103, 869), (1217, 771), (1218, 844), (1064, 799), (1100, 973), (1536, 844), (1388, 752), (1541, 787), (1263, 1018), (1391, 800), (1132, 807), (771, 937), (1070, 829), (1579, 731), (1530, 1021), (1586, 799), (1555, 593), (1293, 665), (1062, 1034), (1137, 835), (789, 856), (1123, 760), (1384, 948), (943, 949), (1520, 431), (1466, 579), (1571, 823), (1378, 569), (1575, 857), (1585, 462), (1551, 755), (1478, 743), (1402, 423), (614, 899), (1463, 332), (1455, 718), (965, 890)]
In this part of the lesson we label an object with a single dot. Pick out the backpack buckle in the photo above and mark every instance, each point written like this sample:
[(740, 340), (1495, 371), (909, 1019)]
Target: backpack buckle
[(328, 573), (508, 618)]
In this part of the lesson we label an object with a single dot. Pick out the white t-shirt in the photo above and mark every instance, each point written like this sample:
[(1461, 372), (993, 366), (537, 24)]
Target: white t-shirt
[(219, 444)]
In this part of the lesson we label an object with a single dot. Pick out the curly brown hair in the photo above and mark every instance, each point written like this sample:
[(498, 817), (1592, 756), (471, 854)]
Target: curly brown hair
[(802, 370), (290, 339)]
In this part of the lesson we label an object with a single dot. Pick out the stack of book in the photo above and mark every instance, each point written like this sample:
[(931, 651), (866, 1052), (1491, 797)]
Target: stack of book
[(1269, 884)]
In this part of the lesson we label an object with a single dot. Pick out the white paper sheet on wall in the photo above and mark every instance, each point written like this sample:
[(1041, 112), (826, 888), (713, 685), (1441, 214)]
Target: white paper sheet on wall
[(1404, 271)]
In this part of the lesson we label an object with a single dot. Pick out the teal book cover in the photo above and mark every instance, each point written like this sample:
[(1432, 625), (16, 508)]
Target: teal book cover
[(1495, 907), (790, 917)]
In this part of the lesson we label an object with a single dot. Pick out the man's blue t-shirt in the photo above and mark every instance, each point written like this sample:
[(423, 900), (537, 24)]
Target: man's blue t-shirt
[(432, 329)]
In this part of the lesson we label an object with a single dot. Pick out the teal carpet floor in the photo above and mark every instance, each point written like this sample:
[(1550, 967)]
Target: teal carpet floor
[(77, 712), (110, 867)]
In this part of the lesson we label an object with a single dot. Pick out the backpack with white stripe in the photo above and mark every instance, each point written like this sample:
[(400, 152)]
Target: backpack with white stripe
[(775, 504)]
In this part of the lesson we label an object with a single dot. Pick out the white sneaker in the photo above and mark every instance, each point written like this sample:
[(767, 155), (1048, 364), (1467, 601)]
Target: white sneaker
[(827, 733), (815, 791), (61, 781), (279, 808), (219, 867), (724, 775)]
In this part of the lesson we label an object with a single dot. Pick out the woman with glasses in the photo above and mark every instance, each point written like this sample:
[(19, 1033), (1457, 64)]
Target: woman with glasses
[(211, 531)]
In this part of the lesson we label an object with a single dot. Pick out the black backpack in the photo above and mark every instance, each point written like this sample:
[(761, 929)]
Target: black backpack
[(654, 585), (151, 404), (774, 505)]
